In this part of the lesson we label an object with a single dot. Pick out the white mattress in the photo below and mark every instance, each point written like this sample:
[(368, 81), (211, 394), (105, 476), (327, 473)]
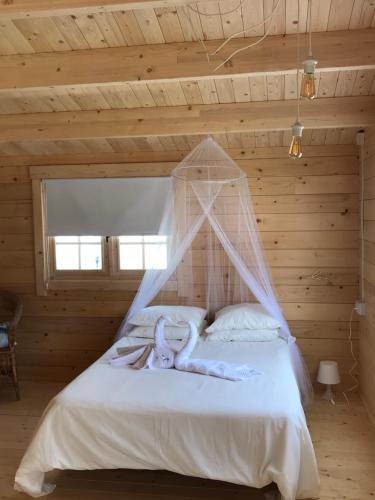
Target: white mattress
[(251, 432)]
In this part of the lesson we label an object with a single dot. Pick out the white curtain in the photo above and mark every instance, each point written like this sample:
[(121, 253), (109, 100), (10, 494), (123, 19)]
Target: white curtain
[(214, 248)]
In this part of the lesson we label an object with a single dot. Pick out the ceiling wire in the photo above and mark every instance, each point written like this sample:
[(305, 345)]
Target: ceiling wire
[(252, 28), (197, 11), (310, 27), (298, 62), (266, 33), (269, 18)]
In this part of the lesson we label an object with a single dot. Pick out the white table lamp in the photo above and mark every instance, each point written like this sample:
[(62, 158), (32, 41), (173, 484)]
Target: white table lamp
[(328, 374)]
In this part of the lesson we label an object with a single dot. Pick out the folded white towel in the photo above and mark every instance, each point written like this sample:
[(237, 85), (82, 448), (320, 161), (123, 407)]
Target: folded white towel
[(220, 369)]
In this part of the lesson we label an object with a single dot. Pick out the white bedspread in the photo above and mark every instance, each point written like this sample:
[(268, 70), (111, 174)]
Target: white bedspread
[(251, 432)]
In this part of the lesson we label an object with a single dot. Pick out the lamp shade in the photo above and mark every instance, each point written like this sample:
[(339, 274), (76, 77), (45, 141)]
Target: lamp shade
[(328, 373)]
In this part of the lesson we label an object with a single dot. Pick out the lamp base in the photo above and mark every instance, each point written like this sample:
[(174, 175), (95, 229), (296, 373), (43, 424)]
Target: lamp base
[(328, 395)]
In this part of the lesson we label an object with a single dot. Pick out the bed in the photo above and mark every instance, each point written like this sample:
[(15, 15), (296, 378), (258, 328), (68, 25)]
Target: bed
[(251, 432)]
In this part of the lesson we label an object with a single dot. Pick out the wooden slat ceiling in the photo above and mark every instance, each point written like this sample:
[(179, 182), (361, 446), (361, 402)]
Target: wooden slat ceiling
[(229, 90), (176, 24), (163, 25), (176, 143)]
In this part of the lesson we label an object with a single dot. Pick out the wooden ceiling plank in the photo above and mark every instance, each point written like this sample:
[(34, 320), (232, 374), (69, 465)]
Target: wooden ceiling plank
[(212, 27), (278, 20), (320, 10), (143, 94), (241, 88), (208, 91), (290, 86), (231, 18), (71, 32), (347, 136), (190, 23), (26, 9), (333, 136), (194, 119), (175, 93), (258, 88), (248, 139), (291, 8), (11, 40), (91, 31), (275, 138), (327, 84), (363, 82), (42, 34), (261, 140), (170, 24), (345, 83), (149, 25), (349, 50), (252, 14), (110, 29), (119, 96), (192, 93), (129, 27), (225, 91), (275, 87), (340, 13)]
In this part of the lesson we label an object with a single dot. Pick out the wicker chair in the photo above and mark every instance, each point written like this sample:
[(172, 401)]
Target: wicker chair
[(10, 312)]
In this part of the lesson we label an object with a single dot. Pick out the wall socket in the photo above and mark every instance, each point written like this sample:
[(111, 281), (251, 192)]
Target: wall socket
[(360, 308)]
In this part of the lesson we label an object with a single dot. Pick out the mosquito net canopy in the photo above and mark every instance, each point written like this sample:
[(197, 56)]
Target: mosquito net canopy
[(214, 251)]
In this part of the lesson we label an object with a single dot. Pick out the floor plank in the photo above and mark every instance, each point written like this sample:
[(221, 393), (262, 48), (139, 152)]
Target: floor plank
[(343, 437)]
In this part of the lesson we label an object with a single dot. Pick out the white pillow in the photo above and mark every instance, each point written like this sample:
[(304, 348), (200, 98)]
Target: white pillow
[(243, 317), (243, 335), (149, 315), (170, 332)]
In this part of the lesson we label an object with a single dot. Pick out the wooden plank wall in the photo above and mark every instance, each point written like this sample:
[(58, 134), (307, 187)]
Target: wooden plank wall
[(367, 344), (308, 214)]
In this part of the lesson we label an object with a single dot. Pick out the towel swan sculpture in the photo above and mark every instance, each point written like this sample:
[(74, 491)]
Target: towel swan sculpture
[(159, 354)]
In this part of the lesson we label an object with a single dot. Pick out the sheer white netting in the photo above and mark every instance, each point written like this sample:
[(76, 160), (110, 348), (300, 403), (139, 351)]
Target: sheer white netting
[(215, 256)]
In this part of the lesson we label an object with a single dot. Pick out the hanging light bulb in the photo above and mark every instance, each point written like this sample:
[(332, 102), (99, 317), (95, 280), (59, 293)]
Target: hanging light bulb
[(308, 79), (295, 150)]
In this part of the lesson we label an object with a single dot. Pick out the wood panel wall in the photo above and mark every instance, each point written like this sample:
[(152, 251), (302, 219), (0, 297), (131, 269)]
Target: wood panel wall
[(367, 345), (308, 214)]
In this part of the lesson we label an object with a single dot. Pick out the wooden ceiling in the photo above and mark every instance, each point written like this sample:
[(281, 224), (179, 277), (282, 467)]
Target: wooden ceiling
[(119, 26), (122, 76)]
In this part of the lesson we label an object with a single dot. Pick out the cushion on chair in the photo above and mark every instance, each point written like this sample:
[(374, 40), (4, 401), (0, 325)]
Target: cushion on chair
[(4, 335)]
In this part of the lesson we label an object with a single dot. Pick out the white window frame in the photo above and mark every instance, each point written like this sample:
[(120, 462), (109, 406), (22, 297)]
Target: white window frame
[(111, 277), (66, 274)]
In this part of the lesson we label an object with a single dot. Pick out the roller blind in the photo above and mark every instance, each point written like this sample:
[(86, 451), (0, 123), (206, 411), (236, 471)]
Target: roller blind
[(105, 207)]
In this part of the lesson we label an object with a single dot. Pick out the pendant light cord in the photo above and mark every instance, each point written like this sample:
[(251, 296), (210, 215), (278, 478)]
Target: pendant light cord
[(298, 58), (310, 27)]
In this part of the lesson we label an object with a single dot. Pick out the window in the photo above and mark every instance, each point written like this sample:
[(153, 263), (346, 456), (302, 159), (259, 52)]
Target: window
[(78, 253), (69, 215), (99, 262), (142, 252)]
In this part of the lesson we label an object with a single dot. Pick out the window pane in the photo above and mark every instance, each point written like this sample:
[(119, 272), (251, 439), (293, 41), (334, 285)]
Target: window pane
[(67, 257), (90, 239), (131, 257), (131, 239), (66, 239), (155, 256), (91, 256), (155, 239)]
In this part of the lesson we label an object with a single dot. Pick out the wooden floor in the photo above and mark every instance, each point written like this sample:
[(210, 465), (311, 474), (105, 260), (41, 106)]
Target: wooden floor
[(343, 437)]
